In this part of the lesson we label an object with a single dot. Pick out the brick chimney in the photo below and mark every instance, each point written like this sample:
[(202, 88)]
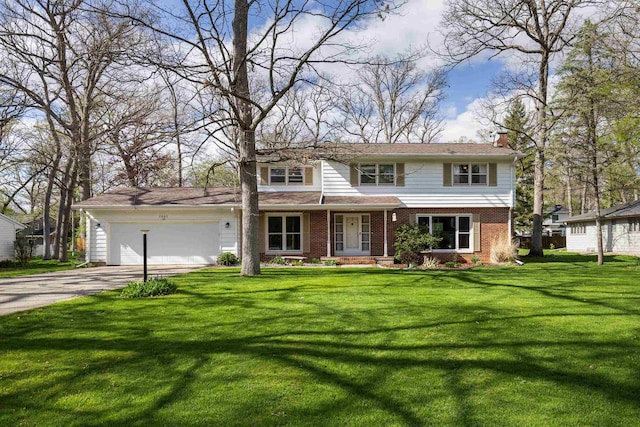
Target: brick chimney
[(502, 140)]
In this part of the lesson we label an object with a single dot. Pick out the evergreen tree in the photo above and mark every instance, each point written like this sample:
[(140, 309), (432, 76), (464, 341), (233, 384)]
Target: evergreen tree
[(517, 126)]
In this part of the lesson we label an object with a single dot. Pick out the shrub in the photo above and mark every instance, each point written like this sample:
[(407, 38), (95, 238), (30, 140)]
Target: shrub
[(8, 263), (451, 264), (315, 261), (431, 263), (330, 262), (153, 287), (24, 249), (227, 258), (298, 263), (278, 260), (503, 249), (410, 240), (475, 259)]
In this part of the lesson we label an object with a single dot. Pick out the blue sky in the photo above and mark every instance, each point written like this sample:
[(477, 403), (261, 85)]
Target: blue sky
[(469, 82)]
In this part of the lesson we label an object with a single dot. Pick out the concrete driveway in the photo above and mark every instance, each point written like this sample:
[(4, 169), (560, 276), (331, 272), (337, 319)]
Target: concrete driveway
[(38, 290)]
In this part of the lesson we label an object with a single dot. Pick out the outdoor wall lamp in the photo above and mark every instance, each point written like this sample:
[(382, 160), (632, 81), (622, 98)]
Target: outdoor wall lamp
[(227, 225)]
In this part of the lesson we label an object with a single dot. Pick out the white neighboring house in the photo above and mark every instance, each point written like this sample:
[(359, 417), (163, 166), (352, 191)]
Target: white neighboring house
[(554, 222), (8, 230), (620, 230)]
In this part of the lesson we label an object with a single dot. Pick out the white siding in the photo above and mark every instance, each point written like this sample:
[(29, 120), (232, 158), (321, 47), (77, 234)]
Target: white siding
[(228, 236), (317, 181), (99, 242), (584, 242), (615, 238), (424, 186), (7, 239)]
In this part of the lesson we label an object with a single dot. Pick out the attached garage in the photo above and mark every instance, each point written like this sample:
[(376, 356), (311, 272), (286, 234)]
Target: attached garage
[(167, 243), (186, 225)]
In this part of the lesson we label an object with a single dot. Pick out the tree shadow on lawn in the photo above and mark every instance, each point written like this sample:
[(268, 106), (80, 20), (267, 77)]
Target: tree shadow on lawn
[(351, 351), (306, 356), (370, 355)]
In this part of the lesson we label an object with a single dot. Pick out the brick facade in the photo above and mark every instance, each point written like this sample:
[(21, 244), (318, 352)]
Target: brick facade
[(494, 223)]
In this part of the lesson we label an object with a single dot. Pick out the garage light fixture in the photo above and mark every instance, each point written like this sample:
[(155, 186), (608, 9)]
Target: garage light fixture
[(227, 225)]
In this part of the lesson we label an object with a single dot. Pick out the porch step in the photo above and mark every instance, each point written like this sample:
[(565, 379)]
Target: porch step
[(360, 260)]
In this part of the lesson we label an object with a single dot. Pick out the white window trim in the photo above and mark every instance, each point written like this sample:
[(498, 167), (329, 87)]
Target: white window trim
[(284, 233), (468, 250), (377, 174), (469, 184), (286, 176)]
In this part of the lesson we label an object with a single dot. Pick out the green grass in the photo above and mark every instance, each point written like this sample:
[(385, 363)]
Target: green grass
[(37, 266), (555, 342)]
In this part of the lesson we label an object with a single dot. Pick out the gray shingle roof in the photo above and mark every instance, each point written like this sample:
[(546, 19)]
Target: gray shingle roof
[(624, 210), (221, 196), (354, 150)]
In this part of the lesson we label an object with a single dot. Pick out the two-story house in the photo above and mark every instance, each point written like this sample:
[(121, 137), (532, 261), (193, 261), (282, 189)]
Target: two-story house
[(347, 200)]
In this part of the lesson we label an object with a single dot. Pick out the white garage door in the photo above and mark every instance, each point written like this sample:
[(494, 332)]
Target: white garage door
[(167, 243)]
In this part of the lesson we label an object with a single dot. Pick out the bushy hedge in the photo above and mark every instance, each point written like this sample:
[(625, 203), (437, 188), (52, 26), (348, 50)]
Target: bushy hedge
[(153, 287), (410, 240), (227, 258)]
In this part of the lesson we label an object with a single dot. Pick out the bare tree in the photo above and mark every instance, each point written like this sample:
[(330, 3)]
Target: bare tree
[(392, 101), (224, 58), (537, 30)]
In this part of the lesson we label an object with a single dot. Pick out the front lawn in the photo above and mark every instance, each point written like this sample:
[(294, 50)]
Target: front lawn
[(37, 266), (550, 343)]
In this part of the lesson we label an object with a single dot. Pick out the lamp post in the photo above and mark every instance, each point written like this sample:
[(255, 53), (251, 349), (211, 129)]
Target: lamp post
[(144, 253)]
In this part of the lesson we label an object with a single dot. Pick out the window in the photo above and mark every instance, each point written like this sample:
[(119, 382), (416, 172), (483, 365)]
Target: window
[(284, 233), (454, 230), (377, 174), (470, 174), (286, 175), (278, 175), (554, 218), (634, 225), (578, 228)]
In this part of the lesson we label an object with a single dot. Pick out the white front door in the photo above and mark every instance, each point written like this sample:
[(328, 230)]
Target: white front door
[(352, 232)]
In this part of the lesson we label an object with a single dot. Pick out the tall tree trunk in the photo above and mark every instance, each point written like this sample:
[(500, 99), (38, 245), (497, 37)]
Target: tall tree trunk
[(247, 145), (569, 196), (51, 179), (66, 220), (539, 159), (61, 208)]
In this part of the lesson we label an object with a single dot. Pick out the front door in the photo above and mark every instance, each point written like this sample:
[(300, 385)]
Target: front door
[(352, 232)]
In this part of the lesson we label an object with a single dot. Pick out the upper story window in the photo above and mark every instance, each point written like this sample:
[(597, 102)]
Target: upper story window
[(286, 175), (470, 174), (554, 218), (634, 225), (377, 174)]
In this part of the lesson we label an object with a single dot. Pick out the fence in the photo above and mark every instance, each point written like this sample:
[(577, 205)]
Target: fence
[(524, 242)]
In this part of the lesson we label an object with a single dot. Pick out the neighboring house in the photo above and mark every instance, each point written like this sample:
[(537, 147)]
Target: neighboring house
[(34, 233), (8, 230), (346, 202), (620, 230), (553, 223)]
